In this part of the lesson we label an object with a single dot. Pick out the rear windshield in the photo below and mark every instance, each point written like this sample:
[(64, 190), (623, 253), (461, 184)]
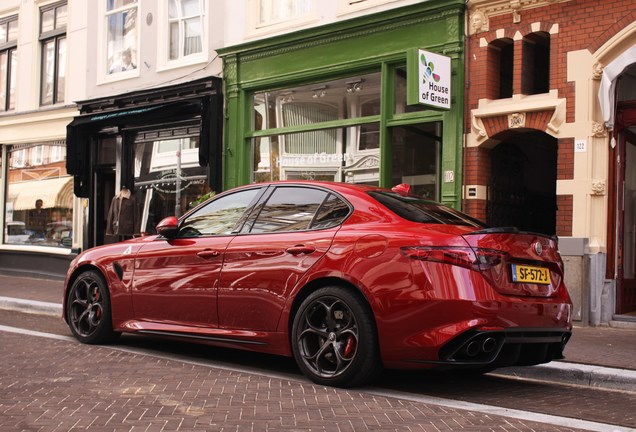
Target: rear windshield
[(417, 209)]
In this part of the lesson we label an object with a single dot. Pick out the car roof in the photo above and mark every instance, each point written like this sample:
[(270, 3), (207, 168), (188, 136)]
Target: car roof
[(336, 186)]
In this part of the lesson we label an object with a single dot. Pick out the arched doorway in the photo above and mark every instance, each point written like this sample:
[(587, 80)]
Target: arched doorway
[(522, 185), (625, 176)]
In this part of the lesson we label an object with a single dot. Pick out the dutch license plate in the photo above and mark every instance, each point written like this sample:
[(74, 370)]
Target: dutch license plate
[(530, 274)]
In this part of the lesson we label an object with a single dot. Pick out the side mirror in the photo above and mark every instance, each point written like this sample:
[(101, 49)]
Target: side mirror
[(168, 227)]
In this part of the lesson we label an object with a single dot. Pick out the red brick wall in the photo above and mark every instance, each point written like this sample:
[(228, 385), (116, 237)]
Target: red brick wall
[(565, 162), (476, 165), (583, 24), (476, 208), (564, 216)]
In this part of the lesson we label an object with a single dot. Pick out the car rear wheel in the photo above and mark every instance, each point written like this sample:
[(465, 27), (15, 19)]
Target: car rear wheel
[(334, 339), (88, 310)]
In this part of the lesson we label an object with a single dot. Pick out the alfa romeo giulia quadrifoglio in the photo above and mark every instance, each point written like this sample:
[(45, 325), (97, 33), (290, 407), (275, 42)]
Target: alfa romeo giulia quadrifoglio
[(347, 279)]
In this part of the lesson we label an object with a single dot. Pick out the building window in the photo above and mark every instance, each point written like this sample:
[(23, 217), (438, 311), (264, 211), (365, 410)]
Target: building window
[(275, 11), (535, 75), (273, 15), (296, 138), (500, 68), (8, 62), (121, 36), (349, 6), (185, 20), (53, 39), (39, 200)]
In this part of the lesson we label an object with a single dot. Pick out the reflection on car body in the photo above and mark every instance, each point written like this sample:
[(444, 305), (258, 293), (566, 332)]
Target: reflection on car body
[(347, 279)]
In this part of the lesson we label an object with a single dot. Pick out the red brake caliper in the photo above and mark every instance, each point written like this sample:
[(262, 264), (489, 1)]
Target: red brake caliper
[(350, 347), (97, 296)]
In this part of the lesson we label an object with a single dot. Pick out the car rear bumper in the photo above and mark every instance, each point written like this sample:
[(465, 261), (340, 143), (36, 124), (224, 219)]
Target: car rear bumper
[(506, 347)]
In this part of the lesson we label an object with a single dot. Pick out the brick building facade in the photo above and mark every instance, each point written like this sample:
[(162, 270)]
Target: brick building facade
[(539, 153)]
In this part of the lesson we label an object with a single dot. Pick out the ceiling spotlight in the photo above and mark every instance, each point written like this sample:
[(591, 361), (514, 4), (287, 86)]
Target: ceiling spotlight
[(318, 92), (354, 85)]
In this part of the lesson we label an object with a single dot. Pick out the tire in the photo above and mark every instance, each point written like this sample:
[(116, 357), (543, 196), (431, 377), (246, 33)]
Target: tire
[(334, 340), (88, 311)]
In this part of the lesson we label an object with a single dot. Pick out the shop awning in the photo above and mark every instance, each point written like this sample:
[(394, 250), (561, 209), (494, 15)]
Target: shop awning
[(55, 192), (607, 91)]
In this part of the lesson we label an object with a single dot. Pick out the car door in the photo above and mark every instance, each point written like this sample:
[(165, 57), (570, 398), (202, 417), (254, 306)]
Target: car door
[(176, 280), (284, 238)]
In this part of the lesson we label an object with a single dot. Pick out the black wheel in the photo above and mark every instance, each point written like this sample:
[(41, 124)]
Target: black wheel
[(334, 340), (88, 309)]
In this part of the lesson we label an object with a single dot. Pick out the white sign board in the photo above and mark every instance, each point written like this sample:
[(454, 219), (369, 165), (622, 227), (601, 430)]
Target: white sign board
[(434, 79)]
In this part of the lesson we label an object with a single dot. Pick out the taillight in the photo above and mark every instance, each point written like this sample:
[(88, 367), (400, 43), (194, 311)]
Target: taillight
[(474, 259)]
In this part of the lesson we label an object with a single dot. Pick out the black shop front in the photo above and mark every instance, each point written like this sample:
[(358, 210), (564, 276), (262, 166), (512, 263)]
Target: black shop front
[(156, 151)]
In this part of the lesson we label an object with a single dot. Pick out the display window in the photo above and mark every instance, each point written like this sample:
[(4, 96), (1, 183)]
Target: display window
[(168, 179), (319, 152), (331, 131), (39, 198)]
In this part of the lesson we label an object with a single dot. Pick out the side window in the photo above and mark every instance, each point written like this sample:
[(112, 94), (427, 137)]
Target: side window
[(331, 213), (289, 209), (219, 217)]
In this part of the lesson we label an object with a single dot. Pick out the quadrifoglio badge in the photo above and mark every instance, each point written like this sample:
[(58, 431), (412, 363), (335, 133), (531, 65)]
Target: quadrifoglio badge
[(434, 79)]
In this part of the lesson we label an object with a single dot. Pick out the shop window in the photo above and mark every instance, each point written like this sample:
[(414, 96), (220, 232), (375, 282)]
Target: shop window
[(185, 23), (500, 68), (121, 36), (38, 155), (18, 159), (168, 179), (416, 157), (58, 153), (53, 40), (342, 162), (535, 70), (348, 153), (8, 62), (39, 199)]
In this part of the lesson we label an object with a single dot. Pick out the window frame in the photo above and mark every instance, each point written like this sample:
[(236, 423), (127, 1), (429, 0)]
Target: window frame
[(9, 47), (256, 28), (56, 35), (103, 75), (163, 48)]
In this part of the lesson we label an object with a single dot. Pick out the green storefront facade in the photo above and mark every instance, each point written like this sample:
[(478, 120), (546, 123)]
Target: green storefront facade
[(330, 103)]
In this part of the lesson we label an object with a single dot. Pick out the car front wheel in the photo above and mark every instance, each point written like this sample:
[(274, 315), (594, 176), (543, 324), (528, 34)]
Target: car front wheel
[(334, 340), (88, 309)]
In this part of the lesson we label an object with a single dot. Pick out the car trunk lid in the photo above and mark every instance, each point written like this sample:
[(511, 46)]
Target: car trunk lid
[(529, 264)]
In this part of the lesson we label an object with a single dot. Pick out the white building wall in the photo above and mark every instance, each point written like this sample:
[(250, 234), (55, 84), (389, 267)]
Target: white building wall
[(153, 71)]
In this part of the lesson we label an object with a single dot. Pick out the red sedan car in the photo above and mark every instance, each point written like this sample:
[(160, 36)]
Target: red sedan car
[(347, 279)]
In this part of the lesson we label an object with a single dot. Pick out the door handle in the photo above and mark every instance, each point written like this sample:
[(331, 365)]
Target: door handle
[(208, 254), (300, 249)]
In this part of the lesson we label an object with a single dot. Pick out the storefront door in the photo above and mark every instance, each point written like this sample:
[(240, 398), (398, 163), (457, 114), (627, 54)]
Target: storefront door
[(626, 295)]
